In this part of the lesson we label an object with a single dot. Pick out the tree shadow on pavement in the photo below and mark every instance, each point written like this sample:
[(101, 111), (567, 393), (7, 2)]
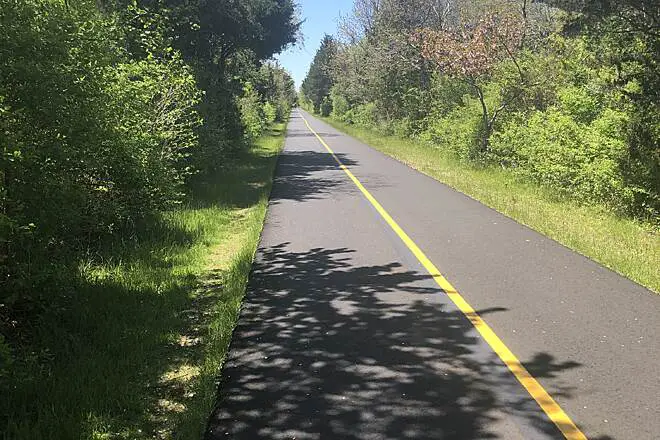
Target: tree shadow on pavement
[(325, 349), (300, 175), (309, 175), (307, 133)]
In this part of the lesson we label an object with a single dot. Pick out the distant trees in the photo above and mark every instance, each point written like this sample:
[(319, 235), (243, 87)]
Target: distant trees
[(562, 92), (276, 86), (316, 86)]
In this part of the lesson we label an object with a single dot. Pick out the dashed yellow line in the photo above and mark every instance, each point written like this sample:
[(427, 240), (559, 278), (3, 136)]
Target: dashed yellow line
[(533, 387)]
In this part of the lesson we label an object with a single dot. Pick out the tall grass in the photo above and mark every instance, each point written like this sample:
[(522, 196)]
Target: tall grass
[(625, 245), (134, 348)]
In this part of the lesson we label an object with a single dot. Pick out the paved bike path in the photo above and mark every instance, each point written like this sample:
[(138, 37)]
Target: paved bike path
[(343, 333)]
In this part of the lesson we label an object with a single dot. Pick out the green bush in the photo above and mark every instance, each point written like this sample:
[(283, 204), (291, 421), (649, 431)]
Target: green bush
[(582, 160), (458, 130), (340, 106), (305, 102), (579, 103), (270, 113), (365, 115), (93, 141), (100, 126), (252, 112), (283, 109), (326, 106), (161, 95)]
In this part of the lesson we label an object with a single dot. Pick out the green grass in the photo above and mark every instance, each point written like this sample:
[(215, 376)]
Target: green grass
[(627, 246), (134, 349)]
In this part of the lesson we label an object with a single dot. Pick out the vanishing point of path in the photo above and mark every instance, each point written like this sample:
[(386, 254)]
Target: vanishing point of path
[(345, 333)]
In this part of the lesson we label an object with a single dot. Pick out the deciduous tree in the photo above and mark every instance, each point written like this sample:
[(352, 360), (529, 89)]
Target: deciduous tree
[(471, 54)]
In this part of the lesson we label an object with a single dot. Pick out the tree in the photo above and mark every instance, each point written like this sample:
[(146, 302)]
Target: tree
[(626, 36), (377, 64), (319, 80), (472, 54), (112, 106), (276, 86)]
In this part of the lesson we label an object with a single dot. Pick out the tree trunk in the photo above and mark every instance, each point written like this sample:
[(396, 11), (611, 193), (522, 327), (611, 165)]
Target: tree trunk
[(487, 124)]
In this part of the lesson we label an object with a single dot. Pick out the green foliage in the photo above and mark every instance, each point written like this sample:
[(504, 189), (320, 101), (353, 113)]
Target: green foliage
[(577, 102), (257, 113), (326, 106), (275, 86), (365, 115), (270, 113), (94, 141), (111, 112), (316, 86), (578, 112), (162, 95), (96, 352), (252, 112), (580, 159), (458, 130), (305, 102), (340, 105)]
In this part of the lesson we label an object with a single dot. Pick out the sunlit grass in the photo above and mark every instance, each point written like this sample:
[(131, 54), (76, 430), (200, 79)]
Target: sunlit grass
[(134, 349), (627, 246)]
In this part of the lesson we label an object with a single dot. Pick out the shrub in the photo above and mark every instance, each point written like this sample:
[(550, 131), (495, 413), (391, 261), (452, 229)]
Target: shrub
[(283, 109), (458, 130), (93, 141), (365, 115), (270, 113), (582, 160), (252, 112), (326, 106), (161, 95), (340, 106), (579, 103)]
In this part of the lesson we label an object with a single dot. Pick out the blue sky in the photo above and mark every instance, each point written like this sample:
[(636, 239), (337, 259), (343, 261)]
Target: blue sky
[(320, 18)]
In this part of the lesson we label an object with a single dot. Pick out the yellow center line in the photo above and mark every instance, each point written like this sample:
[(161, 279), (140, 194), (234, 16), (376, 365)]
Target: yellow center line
[(533, 387)]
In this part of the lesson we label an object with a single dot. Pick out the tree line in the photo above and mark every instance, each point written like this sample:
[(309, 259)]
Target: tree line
[(111, 110), (563, 92)]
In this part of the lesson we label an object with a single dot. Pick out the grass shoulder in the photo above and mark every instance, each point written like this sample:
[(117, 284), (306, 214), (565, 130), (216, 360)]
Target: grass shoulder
[(625, 245), (135, 347)]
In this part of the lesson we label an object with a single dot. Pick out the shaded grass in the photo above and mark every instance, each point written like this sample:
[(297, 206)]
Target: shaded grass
[(627, 246), (133, 349)]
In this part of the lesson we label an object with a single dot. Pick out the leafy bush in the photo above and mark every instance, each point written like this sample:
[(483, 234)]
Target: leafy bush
[(283, 109), (94, 141), (270, 113), (326, 106), (340, 106), (583, 160), (162, 95), (102, 123), (252, 112), (579, 103), (458, 130), (365, 115), (275, 88)]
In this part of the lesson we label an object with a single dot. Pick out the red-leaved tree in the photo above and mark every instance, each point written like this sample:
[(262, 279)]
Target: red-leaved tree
[(471, 54)]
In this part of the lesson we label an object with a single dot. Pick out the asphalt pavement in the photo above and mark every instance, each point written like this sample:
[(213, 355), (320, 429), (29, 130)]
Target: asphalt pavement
[(345, 335)]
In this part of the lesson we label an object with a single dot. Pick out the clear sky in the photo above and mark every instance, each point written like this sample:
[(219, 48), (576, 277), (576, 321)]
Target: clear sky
[(320, 18)]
